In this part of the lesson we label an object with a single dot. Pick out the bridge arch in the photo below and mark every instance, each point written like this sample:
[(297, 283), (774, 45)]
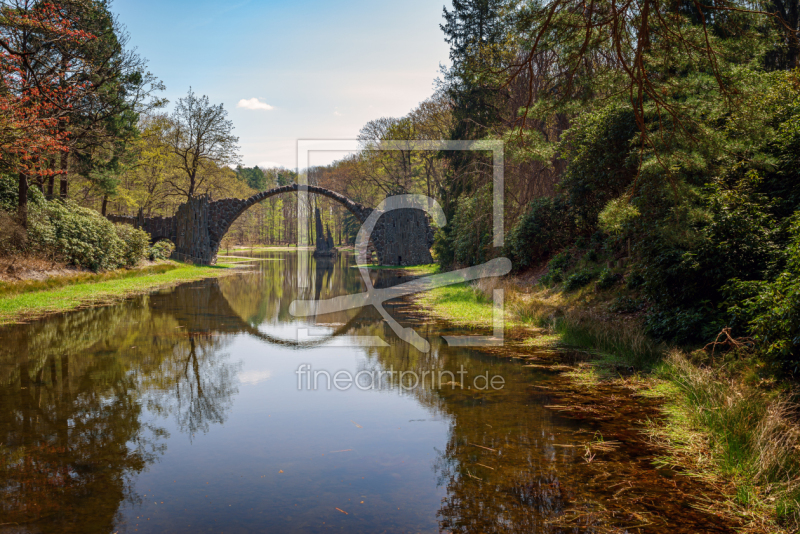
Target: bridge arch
[(223, 213), (400, 237)]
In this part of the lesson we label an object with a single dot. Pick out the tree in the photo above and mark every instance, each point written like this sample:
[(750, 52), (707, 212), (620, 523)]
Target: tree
[(473, 29), (661, 56), (34, 103), (202, 138), (253, 177), (117, 88)]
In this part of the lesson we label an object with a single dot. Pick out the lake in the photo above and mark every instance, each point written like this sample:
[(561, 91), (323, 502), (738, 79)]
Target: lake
[(208, 407)]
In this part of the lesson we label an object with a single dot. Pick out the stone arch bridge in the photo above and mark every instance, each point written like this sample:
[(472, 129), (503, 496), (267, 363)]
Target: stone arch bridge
[(401, 237)]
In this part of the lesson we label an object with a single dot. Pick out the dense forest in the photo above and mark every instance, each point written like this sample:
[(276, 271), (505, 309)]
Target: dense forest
[(650, 146)]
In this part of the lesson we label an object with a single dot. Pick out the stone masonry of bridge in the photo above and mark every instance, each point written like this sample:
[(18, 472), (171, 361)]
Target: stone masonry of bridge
[(400, 237)]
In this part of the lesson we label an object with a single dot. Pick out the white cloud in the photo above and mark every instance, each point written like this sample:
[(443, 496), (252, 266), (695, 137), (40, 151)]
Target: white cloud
[(254, 377), (253, 103), (337, 113)]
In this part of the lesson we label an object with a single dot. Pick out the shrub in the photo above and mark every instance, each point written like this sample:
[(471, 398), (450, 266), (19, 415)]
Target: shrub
[(560, 261), (161, 250), (626, 304), (552, 277), (12, 234), (600, 162), (547, 226), (607, 279), (591, 256), (470, 235), (578, 280), (9, 186), (684, 325), (83, 236), (136, 244), (634, 280), (616, 215), (771, 310)]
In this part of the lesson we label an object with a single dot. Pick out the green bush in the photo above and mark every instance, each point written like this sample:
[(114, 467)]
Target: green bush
[(470, 235), (607, 279), (634, 280), (578, 280), (771, 310), (688, 258), (161, 250), (560, 262), (600, 166), (84, 237), (684, 325), (552, 277), (545, 228), (66, 231), (136, 244), (9, 186), (626, 304)]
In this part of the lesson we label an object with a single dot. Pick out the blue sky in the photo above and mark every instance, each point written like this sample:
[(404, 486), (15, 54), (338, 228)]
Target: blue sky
[(324, 68)]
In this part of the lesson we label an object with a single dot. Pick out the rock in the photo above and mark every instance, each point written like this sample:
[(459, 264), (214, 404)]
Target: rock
[(324, 247)]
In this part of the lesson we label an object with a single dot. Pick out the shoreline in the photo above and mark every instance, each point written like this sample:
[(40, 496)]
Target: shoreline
[(617, 357), (29, 300)]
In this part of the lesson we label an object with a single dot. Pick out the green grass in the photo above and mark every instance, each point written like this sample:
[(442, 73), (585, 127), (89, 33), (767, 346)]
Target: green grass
[(261, 248), (460, 304), (232, 260), (624, 345), (426, 269), (30, 300), (720, 428), (8, 289)]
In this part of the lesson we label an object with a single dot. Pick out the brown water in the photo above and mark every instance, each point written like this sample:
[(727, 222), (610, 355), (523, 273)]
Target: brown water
[(180, 411)]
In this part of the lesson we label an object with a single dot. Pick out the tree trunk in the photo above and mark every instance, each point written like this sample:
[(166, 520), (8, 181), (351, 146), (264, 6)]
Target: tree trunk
[(51, 183), (22, 200), (64, 167), (794, 45), (105, 204)]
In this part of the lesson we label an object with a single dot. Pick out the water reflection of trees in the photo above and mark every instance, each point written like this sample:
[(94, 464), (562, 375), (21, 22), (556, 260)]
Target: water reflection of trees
[(265, 297), (73, 389), (502, 467)]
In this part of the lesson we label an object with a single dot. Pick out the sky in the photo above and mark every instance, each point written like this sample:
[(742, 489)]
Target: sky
[(284, 71)]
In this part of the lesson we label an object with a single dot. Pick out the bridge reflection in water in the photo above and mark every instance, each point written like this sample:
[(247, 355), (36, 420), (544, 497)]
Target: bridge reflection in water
[(179, 411)]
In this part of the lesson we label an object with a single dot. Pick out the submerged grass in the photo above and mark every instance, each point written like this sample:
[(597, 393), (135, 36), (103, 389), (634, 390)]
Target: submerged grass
[(30, 299), (722, 420), (424, 269)]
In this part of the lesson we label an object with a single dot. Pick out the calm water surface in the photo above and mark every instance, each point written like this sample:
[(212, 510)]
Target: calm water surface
[(180, 412)]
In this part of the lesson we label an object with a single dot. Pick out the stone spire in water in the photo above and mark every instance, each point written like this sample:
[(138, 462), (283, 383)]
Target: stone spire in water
[(324, 245)]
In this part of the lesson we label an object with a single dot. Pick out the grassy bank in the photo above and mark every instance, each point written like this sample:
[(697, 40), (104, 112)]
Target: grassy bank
[(725, 418), (425, 269), (26, 300)]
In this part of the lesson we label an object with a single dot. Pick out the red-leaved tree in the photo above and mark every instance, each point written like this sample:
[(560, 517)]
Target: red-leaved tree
[(34, 101)]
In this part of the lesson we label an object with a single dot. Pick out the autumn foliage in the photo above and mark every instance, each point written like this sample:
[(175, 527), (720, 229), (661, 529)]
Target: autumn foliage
[(37, 86)]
